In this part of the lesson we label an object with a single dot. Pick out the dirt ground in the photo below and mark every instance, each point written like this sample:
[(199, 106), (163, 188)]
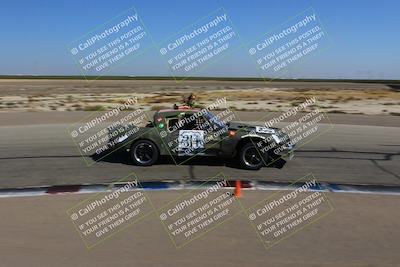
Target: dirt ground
[(80, 95)]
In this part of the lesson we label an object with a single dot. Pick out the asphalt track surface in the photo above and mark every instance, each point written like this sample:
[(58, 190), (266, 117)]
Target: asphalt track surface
[(362, 230), (38, 153)]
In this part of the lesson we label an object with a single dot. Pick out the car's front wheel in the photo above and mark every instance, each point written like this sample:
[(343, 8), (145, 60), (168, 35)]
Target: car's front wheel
[(250, 158), (144, 153)]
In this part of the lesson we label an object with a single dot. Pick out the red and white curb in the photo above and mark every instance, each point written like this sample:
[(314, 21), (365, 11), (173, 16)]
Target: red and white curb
[(180, 185)]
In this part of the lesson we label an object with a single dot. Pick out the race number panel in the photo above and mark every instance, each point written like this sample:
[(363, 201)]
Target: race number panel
[(190, 142)]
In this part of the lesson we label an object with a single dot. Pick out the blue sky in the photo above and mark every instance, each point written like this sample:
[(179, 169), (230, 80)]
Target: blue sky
[(364, 34)]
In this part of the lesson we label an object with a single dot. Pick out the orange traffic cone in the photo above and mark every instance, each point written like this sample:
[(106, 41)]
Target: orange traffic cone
[(238, 188)]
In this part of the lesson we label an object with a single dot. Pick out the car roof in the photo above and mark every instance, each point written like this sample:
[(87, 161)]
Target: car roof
[(177, 110), (174, 112)]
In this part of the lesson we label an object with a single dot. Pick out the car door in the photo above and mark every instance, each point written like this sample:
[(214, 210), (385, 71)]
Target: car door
[(170, 136), (183, 136), (213, 136), (191, 136)]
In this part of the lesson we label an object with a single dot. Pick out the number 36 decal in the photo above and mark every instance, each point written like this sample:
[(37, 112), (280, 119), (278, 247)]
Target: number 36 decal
[(190, 141)]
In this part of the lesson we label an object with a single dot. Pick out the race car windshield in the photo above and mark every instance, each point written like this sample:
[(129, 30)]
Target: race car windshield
[(213, 119)]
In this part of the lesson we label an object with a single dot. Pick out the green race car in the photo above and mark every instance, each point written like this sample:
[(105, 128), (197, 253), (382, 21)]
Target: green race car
[(183, 133)]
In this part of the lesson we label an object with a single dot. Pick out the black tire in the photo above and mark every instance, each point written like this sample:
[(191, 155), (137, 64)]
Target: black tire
[(250, 157), (144, 153)]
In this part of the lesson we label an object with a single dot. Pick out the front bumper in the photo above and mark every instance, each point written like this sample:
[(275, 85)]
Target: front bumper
[(286, 151)]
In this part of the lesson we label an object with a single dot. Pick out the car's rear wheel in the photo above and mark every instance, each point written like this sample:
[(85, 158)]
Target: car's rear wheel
[(144, 153), (250, 158)]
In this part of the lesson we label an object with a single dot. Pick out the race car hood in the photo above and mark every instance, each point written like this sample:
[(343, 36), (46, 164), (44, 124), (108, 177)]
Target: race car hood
[(234, 125), (277, 134)]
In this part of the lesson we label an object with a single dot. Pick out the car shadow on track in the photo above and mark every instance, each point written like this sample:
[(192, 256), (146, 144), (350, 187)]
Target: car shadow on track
[(121, 157)]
